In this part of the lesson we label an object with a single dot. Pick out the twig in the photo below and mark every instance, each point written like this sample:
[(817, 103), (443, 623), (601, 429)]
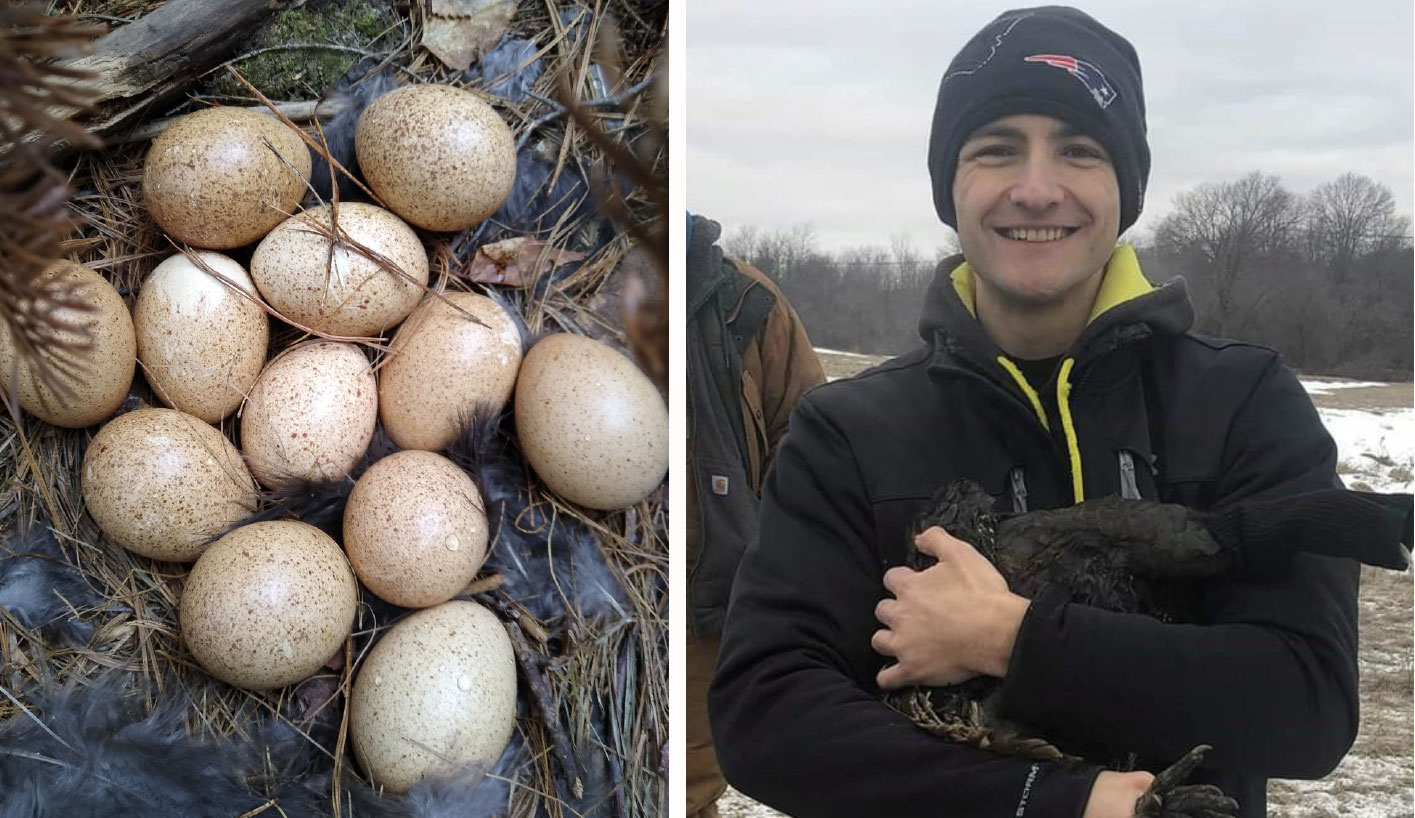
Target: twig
[(558, 110), (196, 259), (308, 139), (532, 663), (305, 110), (37, 720), (483, 585)]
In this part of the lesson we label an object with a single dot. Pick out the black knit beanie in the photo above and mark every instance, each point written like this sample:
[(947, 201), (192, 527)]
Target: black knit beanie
[(1051, 60)]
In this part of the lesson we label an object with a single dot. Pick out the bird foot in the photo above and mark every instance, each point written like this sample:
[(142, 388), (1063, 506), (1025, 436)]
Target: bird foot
[(1169, 797)]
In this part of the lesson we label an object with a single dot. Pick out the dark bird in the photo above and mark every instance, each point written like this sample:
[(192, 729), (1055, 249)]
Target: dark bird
[(1145, 557)]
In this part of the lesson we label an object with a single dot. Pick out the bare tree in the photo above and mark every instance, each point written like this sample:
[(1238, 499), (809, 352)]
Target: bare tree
[(1230, 225), (1348, 218), (743, 243), (781, 252)]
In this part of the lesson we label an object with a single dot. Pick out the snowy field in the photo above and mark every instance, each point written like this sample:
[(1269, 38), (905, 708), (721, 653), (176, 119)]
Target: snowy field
[(1376, 446), (1374, 428)]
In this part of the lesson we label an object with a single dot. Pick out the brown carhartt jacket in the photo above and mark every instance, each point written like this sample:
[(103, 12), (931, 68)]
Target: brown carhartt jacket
[(778, 367)]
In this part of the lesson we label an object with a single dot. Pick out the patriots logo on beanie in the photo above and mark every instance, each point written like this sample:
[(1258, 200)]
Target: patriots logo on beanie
[(1051, 60), (1089, 75)]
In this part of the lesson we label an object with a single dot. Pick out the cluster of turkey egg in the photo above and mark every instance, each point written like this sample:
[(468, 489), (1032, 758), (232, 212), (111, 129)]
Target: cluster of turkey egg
[(269, 603)]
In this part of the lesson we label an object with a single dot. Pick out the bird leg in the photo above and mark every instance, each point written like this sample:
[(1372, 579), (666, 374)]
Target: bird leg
[(1169, 797)]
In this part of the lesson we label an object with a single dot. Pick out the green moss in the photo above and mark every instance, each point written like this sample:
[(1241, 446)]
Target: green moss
[(293, 71), (369, 23)]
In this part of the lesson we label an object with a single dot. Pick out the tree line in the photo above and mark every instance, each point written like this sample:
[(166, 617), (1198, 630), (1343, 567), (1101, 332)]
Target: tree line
[(1325, 278)]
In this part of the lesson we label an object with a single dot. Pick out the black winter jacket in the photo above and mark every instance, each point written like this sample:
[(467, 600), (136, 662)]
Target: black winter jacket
[(1269, 678)]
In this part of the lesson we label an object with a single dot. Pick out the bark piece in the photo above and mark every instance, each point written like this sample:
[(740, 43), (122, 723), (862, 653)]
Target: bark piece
[(151, 60)]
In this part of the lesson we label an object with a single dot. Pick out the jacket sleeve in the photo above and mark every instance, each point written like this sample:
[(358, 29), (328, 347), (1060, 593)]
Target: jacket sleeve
[(795, 713), (789, 368), (779, 366), (1269, 679)]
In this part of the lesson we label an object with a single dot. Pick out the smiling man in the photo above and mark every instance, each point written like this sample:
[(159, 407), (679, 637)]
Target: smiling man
[(1051, 371)]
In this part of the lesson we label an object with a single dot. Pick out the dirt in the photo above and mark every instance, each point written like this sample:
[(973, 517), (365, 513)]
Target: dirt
[(1377, 777), (839, 365), (1380, 396)]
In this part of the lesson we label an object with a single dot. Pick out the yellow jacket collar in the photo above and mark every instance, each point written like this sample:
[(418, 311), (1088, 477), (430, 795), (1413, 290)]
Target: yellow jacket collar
[(1122, 282)]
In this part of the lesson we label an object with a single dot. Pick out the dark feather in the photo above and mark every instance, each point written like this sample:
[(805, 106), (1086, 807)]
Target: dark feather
[(540, 199), (43, 591), (319, 503), (504, 301), (509, 71), (98, 750), (339, 133), (551, 564)]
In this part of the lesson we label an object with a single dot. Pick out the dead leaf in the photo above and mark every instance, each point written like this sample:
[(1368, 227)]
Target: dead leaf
[(459, 31), (513, 262)]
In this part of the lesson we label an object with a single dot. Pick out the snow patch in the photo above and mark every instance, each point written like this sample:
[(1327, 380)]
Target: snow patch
[(1326, 387), (1375, 448)]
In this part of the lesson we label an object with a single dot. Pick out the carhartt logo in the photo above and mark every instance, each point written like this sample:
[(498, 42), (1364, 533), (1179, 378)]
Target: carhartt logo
[(1089, 75), (719, 485)]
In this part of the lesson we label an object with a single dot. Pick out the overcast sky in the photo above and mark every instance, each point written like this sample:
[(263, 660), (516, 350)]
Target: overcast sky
[(819, 112)]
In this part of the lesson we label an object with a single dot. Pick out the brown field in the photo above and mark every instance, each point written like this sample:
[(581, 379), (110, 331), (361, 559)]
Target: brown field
[(1377, 778)]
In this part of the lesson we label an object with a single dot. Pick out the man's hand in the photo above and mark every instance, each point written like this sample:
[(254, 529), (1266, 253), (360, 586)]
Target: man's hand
[(1113, 795), (948, 623)]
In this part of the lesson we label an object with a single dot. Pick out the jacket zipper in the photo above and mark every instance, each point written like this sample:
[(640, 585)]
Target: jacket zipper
[(1019, 491), (1129, 488)]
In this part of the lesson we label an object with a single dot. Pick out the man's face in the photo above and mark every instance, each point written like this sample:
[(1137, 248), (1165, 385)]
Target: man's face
[(1038, 209)]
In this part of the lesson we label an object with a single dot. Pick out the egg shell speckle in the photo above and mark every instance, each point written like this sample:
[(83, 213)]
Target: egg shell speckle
[(268, 604), (310, 414), (442, 366), (415, 529), (343, 293), (106, 366), (161, 482), (201, 344), (437, 692), (591, 424), (439, 156), (211, 181)]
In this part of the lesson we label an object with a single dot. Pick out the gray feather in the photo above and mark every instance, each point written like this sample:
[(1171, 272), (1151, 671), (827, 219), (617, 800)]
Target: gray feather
[(509, 71), (42, 590)]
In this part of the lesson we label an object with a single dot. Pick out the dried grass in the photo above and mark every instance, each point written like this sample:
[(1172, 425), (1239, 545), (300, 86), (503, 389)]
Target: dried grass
[(589, 665)]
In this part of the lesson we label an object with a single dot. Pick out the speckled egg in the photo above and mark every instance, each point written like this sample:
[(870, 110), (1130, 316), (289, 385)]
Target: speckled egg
[(437, 155), (415, 529), (161, 483), (443, 365), (342, 292), (212, 181), (310, 415), (590, 423), (268, 604), (201, 343), (436, 693), (101, 373)]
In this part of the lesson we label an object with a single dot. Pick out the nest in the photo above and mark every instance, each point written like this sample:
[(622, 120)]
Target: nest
[(583, 593)]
